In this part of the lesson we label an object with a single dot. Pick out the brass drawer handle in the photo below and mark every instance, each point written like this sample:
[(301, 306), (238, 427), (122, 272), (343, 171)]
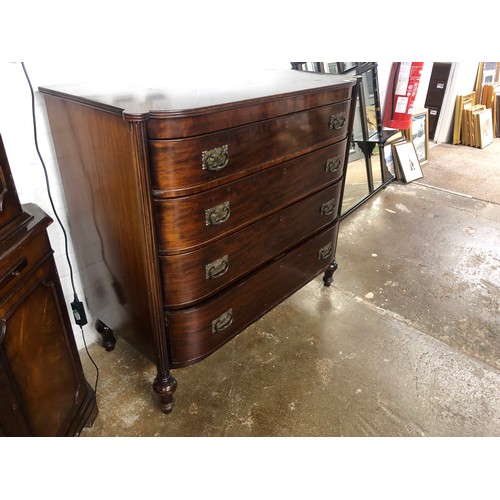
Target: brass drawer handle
[(217, 268), (332, 164), (215, 159), (218, 214), (222, 322), (325, 251), (337, 121), (14, 272), (328, 207)]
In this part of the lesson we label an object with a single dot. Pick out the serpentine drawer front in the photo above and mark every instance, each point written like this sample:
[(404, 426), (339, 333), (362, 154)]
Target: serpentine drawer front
[(204, 205), (197, 331), (194, 162), (191, 276), (215, 212)]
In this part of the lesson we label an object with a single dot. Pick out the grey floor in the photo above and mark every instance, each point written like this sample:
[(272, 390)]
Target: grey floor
[(404, 343)]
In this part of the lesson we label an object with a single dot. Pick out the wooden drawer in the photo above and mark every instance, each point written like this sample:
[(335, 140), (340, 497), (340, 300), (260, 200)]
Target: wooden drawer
[(198, 331), (193, 276), (21, 260), (196, 116), (188, 222), (188, 165)]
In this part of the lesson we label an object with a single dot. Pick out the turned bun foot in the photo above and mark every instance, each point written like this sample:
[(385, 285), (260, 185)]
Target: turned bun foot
[(165, 385), (328, 276)]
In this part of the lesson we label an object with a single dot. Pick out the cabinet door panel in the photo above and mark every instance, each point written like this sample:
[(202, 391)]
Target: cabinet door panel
[(37, 356)]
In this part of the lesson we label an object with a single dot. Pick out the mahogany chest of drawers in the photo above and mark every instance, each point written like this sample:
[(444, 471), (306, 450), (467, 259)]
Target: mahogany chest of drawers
[(43, 390), (197, 207)]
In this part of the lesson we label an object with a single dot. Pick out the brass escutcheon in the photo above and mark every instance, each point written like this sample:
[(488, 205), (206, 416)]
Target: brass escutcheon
[(337, 121), (217, 268), (215, 159), (325, 251), (328, 207), (218, 214), (222, 322), (332, 164)]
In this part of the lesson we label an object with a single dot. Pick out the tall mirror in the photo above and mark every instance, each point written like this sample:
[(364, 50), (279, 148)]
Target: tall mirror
[(366, 171)]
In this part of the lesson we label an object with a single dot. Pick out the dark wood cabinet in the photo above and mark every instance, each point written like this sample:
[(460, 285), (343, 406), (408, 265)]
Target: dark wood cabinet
[(43, 390), (204, 206), (11, 212)]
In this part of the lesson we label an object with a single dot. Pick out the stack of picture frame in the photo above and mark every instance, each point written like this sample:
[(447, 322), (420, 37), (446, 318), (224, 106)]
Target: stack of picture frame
[(491, 99), (408, 150), (474, 127), (477, 113), (463, 102)]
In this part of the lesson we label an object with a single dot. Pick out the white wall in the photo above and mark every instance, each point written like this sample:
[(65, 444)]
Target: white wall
[(16, 128)]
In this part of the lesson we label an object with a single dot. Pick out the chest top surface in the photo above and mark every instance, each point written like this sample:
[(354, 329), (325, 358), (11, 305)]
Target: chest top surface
[(190, 92)]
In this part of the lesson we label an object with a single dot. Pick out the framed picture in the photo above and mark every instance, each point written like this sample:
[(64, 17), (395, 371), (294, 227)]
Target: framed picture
[(389, 160), (485, 126), (390, 157), (419, 135), (408, 161)]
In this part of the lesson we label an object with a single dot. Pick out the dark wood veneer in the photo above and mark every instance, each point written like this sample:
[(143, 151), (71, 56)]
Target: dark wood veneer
[(149, 211), (181, 221), (184, 275), (191, 330), (43, 390), (176, 163), (11, 213)]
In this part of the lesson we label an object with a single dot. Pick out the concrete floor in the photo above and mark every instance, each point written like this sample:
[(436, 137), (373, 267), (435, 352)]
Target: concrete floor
[(404, 343)]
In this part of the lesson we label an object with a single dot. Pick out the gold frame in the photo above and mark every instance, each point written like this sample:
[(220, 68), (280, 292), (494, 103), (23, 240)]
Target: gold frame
[(462, 102)]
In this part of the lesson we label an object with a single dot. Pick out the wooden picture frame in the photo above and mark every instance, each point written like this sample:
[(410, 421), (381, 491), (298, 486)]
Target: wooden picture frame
[(485, 127), (388, 156), (408, 162), (462, 102), (418, 133), (392, 157)]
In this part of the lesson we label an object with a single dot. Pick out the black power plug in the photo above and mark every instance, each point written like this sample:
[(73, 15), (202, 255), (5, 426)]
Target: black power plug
[(79, 312)]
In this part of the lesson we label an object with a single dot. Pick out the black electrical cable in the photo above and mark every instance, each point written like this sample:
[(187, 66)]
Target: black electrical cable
[(58, 219)]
